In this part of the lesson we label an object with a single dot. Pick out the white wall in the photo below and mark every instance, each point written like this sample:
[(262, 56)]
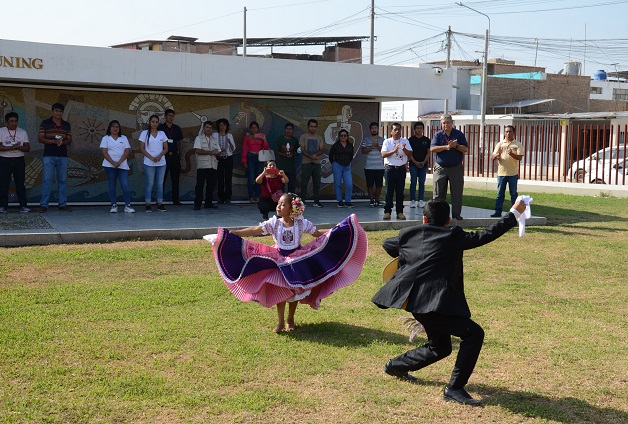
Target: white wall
[(96, 66)]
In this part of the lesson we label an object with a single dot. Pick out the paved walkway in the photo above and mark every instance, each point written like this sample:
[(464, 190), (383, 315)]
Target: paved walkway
[(95, 224)]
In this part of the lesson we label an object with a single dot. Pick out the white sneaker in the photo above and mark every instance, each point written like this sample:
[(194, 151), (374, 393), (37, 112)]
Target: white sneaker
[(412, 204), (24, 209), (114, 209), (129, 209), (421, 203)]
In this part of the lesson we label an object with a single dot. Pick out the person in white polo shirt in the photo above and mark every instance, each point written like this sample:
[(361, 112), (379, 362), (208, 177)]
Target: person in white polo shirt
[(13, 144), (395, 152)]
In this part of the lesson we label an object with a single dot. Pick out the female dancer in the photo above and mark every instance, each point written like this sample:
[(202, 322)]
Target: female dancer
[(154, 146), (288, 271), (115, 148)]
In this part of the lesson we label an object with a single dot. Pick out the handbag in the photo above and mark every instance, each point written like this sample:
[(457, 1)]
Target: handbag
[(266, 155), (276, 195)]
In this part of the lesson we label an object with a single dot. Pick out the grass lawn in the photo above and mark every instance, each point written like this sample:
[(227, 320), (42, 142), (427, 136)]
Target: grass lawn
[(148, 332)]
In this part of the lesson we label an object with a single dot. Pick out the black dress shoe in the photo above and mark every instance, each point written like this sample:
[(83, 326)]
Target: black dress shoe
[(211, 206), (496, 215), (459, 396), (401, 375)]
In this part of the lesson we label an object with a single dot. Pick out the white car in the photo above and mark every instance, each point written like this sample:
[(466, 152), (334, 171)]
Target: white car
[(616, 175), (598, 164)]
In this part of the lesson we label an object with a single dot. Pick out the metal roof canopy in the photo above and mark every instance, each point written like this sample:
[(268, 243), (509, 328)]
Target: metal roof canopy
[(522, 103), (290, 41)]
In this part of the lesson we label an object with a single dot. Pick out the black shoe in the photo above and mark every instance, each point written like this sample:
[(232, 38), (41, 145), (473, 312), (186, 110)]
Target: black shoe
[(149, 208), (341, 204), (401, 375), (372, 203), (197, 207), (317, 205), (161, 207), (496, 215), (460, 396), (349, 205), (211, 206)]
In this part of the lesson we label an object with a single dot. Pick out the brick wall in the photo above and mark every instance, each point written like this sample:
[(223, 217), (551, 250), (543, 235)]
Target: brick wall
[(571, 93)]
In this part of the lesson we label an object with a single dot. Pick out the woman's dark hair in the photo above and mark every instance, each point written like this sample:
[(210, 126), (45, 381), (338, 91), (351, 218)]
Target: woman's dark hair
[(224, 121), (148, 129), (109, 127), (254, 123)]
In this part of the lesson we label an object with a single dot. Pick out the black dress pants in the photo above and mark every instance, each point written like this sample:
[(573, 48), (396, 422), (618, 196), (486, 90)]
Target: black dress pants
[(173, 167), (205, 177), (439, 329)]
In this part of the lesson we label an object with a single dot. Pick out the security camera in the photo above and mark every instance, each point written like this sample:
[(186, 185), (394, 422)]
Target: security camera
[(437, 71)]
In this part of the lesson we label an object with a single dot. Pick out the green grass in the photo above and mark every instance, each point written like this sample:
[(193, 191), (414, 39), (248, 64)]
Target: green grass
[(147, 332)]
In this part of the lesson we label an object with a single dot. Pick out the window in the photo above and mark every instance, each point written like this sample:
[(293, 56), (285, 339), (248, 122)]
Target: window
[(596, 90), (620, 93)]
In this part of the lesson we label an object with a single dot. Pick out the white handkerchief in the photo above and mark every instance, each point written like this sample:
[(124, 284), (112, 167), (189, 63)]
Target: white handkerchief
[(211, 238), (525, 215)]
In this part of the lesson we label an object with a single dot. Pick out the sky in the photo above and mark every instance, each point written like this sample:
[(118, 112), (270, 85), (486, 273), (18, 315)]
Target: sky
[(543, 33)]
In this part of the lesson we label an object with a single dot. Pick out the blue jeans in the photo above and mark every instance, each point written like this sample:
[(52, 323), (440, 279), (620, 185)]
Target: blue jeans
[(114, 174), (60, 165), (154, 174), (501, 191), (420, 174), (342, 173), (254, 168)]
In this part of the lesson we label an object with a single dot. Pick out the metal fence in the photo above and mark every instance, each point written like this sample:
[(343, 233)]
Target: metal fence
[(578, 153)]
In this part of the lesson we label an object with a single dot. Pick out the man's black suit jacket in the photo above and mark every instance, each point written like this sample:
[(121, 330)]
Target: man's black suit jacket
[(430, 273)]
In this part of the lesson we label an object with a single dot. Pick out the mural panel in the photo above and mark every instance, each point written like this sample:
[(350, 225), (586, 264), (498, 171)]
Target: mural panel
[(89, 113)]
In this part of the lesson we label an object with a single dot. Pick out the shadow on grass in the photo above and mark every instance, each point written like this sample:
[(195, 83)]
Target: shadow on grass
[(563, 410), (340, 334)]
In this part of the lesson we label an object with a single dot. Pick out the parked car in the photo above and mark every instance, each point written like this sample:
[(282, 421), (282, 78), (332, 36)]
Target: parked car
[(616, 175), (599, 163)]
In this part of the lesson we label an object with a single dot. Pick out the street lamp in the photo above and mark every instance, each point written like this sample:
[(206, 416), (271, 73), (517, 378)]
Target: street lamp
[(483, 93)]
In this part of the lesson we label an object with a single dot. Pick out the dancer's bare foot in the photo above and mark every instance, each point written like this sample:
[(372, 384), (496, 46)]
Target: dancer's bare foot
[(279, 327), (290, 326)]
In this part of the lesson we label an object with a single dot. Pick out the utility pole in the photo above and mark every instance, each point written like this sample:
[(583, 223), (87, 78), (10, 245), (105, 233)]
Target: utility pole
[(244, 36), (372, 30), (447, 63)]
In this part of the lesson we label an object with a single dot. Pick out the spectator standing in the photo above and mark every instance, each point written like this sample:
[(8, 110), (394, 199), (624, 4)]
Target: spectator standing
[(207, 149), (225, 161), (154, 146), (340, 156), (419, 162), (374, 167), (286, 156), (312, 148), (116, 149), (508, 153), (56, 135), (253, 142), (173, 158), (449, 145), (13, 144), (395, 152)]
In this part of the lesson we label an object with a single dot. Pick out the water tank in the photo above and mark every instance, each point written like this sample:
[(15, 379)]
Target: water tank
[(572, 68), (599, 75)]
